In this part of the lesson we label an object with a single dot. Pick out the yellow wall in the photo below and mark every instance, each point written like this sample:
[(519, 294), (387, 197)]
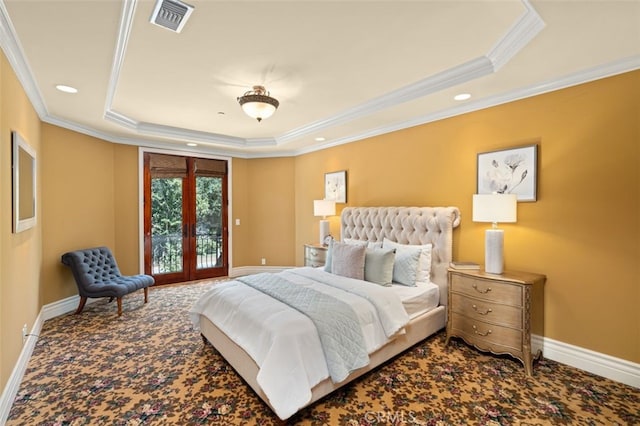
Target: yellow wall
[(20, 254), (584, 230), (89, 198), (264, 201)]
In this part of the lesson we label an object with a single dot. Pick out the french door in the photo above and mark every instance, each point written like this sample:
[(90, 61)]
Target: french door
[(185, 218)]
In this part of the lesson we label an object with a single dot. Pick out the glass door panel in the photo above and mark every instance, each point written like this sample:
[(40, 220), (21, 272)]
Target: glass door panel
[(166, 225), (209, 224)]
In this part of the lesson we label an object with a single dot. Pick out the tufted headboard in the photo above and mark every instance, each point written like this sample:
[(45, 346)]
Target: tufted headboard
[(408, 225)]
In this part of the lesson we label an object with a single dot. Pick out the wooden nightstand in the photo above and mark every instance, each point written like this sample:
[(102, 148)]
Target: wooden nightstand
[(315, 255), (497, 313)]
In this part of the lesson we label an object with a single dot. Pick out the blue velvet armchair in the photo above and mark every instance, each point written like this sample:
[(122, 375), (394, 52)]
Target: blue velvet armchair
[(96, 274)]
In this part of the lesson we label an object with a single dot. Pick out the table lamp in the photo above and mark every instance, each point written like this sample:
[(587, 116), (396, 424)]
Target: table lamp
[(324, 208), (494, 208)]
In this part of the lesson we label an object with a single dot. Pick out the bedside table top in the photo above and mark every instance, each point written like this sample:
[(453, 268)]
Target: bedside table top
[(508, 276), (316, 246)]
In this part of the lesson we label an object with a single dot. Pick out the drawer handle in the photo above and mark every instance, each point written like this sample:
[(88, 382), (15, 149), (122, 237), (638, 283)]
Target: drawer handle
[(475, 330), (314, 253), (475, 287), (475, 308)]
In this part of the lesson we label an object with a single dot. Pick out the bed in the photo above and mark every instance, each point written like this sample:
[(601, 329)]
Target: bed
[(289, 358)]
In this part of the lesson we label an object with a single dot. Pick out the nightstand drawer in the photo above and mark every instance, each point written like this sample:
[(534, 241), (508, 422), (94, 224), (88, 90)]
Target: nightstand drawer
[(487, 290), (485, 336), (483, 310), (315, 255)]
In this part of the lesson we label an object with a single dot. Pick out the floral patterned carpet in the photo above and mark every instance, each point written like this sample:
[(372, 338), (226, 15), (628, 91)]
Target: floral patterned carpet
[(148, 367)]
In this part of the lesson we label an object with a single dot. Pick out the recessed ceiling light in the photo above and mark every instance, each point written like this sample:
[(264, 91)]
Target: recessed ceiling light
[(192, 144), (462, 97), (320, 139), (66, 89)]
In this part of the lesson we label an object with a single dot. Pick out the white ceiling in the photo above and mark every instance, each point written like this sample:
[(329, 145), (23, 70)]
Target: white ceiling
[(342, 70)]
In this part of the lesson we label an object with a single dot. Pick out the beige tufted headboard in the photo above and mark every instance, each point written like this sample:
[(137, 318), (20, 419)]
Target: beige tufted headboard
[(408, 225)]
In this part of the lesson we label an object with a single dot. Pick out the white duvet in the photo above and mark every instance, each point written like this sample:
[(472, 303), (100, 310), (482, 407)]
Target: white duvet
[(284, 342)]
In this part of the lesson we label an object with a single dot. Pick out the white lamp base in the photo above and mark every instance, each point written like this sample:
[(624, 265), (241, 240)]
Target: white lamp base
[(324, 230), (493, 251)]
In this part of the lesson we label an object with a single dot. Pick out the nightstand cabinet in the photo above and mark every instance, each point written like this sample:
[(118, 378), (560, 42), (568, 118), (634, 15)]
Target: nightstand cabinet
[(315, 255), (497, 313)]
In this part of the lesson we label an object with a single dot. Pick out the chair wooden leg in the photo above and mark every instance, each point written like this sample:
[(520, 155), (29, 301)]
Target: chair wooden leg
[(146, 294), (83, 300), (119, 306)]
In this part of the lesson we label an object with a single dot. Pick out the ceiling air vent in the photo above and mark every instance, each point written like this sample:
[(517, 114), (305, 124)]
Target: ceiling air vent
[(171, 14)]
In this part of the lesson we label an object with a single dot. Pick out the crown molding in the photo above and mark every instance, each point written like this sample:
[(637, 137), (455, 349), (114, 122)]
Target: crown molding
[(124, 31), (519, 35), (596, 73), (470, 70), (16, 57), (522, 32)]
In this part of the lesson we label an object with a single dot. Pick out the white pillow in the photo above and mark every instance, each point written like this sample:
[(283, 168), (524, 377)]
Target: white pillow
[(423, 274)]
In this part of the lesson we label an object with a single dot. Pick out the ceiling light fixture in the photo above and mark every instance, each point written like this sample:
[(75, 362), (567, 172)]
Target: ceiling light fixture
[(462, 97), (66, 89), (258, 104)]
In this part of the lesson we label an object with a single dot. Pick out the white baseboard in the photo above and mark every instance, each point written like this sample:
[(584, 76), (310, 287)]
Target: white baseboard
[(13, 384), (47, 312), (617, 369)]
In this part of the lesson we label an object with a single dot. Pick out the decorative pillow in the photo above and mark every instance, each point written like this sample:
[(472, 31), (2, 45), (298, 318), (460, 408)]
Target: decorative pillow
[(327, 261), (424, 264), (348, 260), (378, 265)]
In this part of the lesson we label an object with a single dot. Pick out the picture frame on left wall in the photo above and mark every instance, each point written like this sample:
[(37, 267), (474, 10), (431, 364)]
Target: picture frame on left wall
[(335, 186), (23, 179)]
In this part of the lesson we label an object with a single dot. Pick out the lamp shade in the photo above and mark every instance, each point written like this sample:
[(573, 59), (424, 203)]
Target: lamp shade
[(495, 208), (324, 208)]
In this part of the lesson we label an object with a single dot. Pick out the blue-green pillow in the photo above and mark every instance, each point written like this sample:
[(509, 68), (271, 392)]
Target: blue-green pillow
[(405, 266), (378, 265), (329, 258)]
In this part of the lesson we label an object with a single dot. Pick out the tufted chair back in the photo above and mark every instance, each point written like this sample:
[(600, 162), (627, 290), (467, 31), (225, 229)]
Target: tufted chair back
[(93, 266), (97, 275)]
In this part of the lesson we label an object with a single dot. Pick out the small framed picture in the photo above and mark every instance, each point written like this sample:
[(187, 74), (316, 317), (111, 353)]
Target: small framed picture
[(509, 171), (335, 186)]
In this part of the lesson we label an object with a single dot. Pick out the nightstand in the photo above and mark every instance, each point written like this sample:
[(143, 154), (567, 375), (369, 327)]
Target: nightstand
[(497, 313), (315, 255)]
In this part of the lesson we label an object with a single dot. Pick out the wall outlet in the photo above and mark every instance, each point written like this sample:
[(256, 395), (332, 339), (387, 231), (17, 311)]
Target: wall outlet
[(264, 261), (25, 331)]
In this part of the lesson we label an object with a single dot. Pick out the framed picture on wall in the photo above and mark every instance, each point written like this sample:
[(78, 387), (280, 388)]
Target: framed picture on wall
[(335, 186), (509, 171)]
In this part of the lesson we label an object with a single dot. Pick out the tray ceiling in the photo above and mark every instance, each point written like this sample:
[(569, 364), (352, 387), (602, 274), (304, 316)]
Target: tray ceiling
[(342, 70)]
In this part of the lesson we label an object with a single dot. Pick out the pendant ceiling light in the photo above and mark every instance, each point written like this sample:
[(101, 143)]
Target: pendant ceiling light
[(258, 104)]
